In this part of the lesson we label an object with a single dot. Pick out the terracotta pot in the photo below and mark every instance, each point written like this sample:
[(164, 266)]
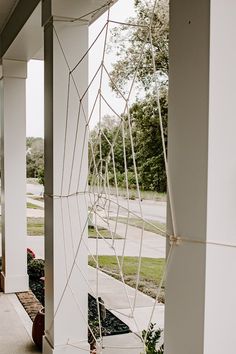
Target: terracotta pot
[(38, 328)]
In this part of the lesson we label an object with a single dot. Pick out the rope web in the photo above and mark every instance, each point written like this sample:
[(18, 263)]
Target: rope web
[(95, 200)]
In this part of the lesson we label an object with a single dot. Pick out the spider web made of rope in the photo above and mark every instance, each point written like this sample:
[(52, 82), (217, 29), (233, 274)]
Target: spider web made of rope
[(100, 194)]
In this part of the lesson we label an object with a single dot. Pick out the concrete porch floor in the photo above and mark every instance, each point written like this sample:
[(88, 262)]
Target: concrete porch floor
[(15, 332), (15, 327)]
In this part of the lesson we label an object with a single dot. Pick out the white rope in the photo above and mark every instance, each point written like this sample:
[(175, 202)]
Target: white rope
[(122, 279), (170, 193), (69, 274), (64, 238), (65, 136), (99, 192), (168, 259)]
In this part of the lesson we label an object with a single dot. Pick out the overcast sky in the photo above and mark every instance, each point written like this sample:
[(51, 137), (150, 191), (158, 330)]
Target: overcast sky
[(34, 85)]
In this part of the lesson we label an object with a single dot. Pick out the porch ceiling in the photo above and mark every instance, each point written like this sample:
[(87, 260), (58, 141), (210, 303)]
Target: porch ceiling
[(6, 8), (21, 31)]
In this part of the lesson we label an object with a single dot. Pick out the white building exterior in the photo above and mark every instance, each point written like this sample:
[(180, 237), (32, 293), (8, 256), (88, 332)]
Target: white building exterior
[(201, 291)]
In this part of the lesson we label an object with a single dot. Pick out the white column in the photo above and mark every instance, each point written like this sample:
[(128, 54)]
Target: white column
[(13, 176), (201, 290), (65, 217)]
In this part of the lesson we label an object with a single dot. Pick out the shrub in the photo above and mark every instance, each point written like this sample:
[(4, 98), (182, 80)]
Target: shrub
[(152, 337), (36, 273), (36, 269), (37, 287), (30, 255)]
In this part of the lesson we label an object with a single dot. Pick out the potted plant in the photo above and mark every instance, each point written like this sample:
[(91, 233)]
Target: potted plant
[(38, 328)]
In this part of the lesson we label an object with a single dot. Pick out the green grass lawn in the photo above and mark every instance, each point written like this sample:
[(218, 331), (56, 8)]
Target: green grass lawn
[(38, 197), (139, 223), (147, 195), (150, 275), (33, 206), (35, 227)]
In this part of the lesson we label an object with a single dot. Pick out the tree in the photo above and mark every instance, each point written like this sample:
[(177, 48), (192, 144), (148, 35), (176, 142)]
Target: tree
[(145, 128), (148, 143), (138, 48), (35, 157), (109, 134), (135, 47)]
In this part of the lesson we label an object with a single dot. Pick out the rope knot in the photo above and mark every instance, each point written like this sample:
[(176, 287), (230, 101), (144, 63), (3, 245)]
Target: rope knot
[(175, 240)]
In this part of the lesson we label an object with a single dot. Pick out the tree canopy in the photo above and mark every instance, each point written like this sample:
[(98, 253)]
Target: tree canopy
[(35, 158), (145, 128), (137, 48)]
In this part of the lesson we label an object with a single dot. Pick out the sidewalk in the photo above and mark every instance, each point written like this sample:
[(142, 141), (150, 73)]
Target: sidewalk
[(150, 248), (118, 297), (35, 201), (35, 213), (153, 245)]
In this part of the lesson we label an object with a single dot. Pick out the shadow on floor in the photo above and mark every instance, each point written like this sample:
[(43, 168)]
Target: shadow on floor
[(31, 348)]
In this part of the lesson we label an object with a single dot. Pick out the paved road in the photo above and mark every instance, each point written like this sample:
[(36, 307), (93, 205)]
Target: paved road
[(36, 189), (153, 246), (148, 209)]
